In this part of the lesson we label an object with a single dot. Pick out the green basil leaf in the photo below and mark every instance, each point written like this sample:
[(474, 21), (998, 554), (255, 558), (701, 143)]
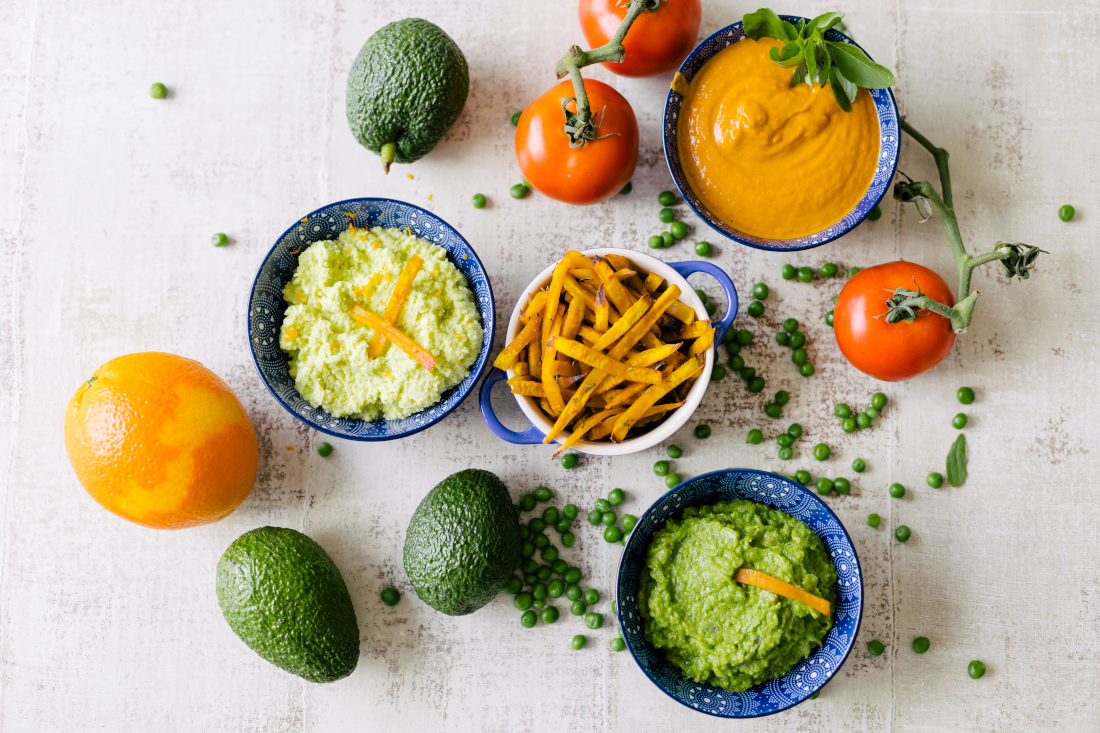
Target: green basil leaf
[(799, 76), (765, 23), (956, 462), (825, 61), (811, 62), (792, 32), (839, 80), (861, 70), (790, 55), (837, 85), (825, 21)]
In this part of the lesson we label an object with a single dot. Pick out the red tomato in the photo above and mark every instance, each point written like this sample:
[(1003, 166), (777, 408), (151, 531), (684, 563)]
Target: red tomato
[(591, 173), (656, 43), (892, 352)]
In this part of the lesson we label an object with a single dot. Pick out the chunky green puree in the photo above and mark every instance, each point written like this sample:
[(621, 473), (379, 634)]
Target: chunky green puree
[(721, 632)]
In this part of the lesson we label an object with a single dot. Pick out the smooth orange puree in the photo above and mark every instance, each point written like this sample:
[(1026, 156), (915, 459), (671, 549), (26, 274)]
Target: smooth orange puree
[(769, 159)]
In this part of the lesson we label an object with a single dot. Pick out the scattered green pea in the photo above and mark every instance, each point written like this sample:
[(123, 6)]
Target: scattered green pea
[(655, 242), (550, 515), (756, 385), (667, 216), (824, 485), (702, 431), (674, 451), (711, 308), (782, 339), (852, 272), (897, 491), (479, 201), (391, 596), (755, 437), (568, 539), (863, 420), (718, 373), (748, 373), (959, 421), (572, 575), (603, 505), (737, 363), (799, 356), (790, 325), (871, 412), (666, 198), (529, 619), (629, 520), (627, 188), (773, 410), (842, 486), (876, 647), (822, 452), (666, 239), (608, 519), (975, 669), (743, 337), (549, 615), (612, 534), (660, 468), (324, 449), (529, 566), (803, 477), (560, 566), (935, 480), (902, 533), (573, 592), (814, 696), (578, 608), (842, 410), (594, 516), (874, 520), (805, 274), (703, 249), (786, 454), (965, 395), (519, 191), (678, 229), (536, 525), (858, 465), (1065, 212), (795, 431), (591, 596), (848, 425), (523, 600), (617, 644), (806, 370), (539, 603), (593, 620), (616, 497), (829, 318), (555, 588), (219, 239), (782, 397), (788, 272), (580, 639), (921, 644), (797, 340), (755, 309), (515, 117), (569, 460), (569, 511), (784, 440), (159, 91), (703, 297), (527, 502), (878, 400), (829, 269), (513, 586), (673, 480), (549, 553)]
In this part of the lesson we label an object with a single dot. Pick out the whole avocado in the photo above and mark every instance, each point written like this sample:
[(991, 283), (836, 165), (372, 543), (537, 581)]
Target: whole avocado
[(406, 88), (463, 543), (285, 598)]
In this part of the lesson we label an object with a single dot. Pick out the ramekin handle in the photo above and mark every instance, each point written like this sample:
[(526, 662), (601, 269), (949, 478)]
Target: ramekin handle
[(530, 436), (688, 268)]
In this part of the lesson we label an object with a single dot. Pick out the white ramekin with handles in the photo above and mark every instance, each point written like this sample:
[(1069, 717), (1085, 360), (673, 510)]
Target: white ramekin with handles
[(673, 272)]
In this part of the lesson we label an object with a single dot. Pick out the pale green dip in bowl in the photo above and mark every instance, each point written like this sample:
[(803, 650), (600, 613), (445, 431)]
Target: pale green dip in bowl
[(716, 630), (328, 349)]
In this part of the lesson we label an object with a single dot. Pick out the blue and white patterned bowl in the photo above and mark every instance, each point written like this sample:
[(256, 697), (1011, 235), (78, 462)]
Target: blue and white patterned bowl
[(805, 678), (887, 162), (266, 308)]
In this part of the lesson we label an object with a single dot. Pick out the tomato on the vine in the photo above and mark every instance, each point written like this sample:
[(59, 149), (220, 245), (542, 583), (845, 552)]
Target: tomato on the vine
[(892, 351), (656, 43), (592, 173)]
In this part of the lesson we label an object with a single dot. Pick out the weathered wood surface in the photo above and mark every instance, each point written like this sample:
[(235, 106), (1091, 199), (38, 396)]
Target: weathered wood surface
[(107, 203)]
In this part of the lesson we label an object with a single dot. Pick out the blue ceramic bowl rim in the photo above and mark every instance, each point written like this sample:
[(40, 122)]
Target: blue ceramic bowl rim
[(488, 326), (727, 231), (798, 488)]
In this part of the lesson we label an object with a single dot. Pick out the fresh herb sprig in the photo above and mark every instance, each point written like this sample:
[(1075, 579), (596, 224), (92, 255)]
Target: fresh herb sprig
[(817, 60)]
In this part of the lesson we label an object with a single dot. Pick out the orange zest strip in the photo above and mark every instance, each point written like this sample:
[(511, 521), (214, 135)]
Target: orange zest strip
[(403, 342), (377, 344), (506, 357), (782, 588)]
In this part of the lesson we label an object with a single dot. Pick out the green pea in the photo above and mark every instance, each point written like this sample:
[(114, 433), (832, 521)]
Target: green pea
[(863, 420), (667, 216), (874, 520), (702, 296), (568, 539), (219, 239), (530, 578), (788, 272), (799, 356), (159, 91), (603, 505), (902, 533), (608, 519), (829, 318), (572, 575), (593, 620), (660, 468), (786, 454), (549, 615), (842, 486), (655, 242), (848, 425), (391, 596), (562, 526), (965, 395), (802, 477), (814, 696), (513, 586), (569, 460), (324, 449), (703, 249), (544, 572), (550, 515), (569, 511), (897, 491), (591, 596), (871, 412), (518, 191), (613, 611), (539, 603), (935, 480), (755, 309), (515, 118), (747, 373), (782, 338), (617, 644), (666, 198), (627, 188), (523, 600), (1065, 212), (842, 410), (756, 385), (743, 337), (573, 592), (878, 400), (529, 619), (822, 452), (673, 480), (921, 644), (550, 553), (629, 520), (773, 410), (702, 431), (594, 516), (666, 239), (616, 497), (858, 465), (795, 431), (756, 437), (876, 647), (975, 669), (612, 534), (806, 370), (784, 440), (578, 608), (852, 272), (737, 363), (959, 421), (782, 397), (674, 451), (580, 639), (790, 325), (479, 201), (560, 566), (678, 229), (728, 338), (711, 308), (536, 525), (829, 269), (824, 485), (797, 340), (718, 373), (875, 214), (805, 274), (527, 502), (555, 588), (529, 566), (527, 549)]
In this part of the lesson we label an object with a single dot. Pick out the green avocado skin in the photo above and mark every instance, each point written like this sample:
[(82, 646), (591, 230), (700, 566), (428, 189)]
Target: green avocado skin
[(463, 543), (407, 86), (285, 598)]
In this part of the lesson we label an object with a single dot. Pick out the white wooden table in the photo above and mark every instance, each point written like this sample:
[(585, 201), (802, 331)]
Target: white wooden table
[(108, 199)]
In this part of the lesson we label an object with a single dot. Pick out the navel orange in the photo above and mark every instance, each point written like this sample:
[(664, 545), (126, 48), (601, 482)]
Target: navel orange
[(162, 441)]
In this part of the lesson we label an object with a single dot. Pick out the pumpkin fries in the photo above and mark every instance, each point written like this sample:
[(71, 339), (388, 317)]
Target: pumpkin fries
[(604, 350)]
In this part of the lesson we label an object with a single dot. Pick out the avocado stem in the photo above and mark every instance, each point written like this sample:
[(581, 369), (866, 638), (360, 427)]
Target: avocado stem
[(387, 151)]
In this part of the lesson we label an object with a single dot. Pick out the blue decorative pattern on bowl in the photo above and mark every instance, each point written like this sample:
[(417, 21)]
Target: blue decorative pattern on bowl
[(266, 308), (889, 150), (806, 677)]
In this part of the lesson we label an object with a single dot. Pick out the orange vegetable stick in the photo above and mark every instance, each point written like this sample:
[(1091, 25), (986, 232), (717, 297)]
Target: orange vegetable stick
[(649, 357), (538, 303), (693, 330), (526, 387), (553, 295), (403, 342), (601, 310), (534, 356), (549, 382), (583, 427), (622, 395), (653, 281), (576, 260), (701, 344), (615, 291), (521, 368), (377, 345), (560, 368), (782, 588), (580, 352), (574, 317), (681, 312), (583, 273), (630, 317), (650, 397), (575, 289), (511, 351), (653, 413)]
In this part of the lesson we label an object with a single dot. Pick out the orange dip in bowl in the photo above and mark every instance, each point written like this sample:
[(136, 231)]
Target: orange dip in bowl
[(769, 159)]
